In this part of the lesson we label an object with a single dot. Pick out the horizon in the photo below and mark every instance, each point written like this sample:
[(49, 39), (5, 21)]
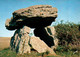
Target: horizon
[(68, 10)]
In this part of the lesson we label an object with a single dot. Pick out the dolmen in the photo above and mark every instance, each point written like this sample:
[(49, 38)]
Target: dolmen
[(39, 17)]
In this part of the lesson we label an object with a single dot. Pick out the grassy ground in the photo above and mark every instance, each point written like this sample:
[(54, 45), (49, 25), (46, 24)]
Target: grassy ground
[(8, 53), (62, 51)]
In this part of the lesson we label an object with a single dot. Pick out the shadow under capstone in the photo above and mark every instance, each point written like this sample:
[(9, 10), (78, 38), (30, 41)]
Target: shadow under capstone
[(41, 32)]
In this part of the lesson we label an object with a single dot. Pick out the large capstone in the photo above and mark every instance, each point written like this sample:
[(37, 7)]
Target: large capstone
[(34, 16)]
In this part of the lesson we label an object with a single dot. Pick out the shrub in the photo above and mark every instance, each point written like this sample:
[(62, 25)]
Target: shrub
[(68, 33)]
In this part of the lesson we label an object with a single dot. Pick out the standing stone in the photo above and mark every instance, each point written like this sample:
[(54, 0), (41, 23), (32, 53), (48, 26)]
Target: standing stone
[(52, 32), (20, 40)]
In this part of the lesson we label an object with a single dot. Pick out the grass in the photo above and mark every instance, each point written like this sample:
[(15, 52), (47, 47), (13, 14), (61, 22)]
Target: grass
[(8, 53), (61, 50)]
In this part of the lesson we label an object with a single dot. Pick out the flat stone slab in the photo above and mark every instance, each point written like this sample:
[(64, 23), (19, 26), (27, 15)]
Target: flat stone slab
[(36, 11), (34, 16)]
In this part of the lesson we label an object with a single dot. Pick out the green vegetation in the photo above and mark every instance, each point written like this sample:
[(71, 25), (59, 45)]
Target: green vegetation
[(64, 51), (8, 53), (69, 39), (59, 51), (69, 43), (68, 35)]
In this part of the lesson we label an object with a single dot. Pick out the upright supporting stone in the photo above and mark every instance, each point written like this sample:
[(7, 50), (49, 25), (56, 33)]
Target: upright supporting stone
[(52, 33), (20, 40), (48, 35)]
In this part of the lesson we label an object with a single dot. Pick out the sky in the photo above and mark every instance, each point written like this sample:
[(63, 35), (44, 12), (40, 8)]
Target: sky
[(68, 10)]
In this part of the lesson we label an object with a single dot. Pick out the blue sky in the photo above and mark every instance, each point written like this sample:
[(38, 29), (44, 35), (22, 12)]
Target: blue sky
[(68, 10)]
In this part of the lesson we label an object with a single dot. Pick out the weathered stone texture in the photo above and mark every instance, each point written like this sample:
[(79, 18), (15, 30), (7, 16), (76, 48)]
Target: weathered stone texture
[(19, 42), (40, 46), (37, 11), (34, 16), (52, 33)]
